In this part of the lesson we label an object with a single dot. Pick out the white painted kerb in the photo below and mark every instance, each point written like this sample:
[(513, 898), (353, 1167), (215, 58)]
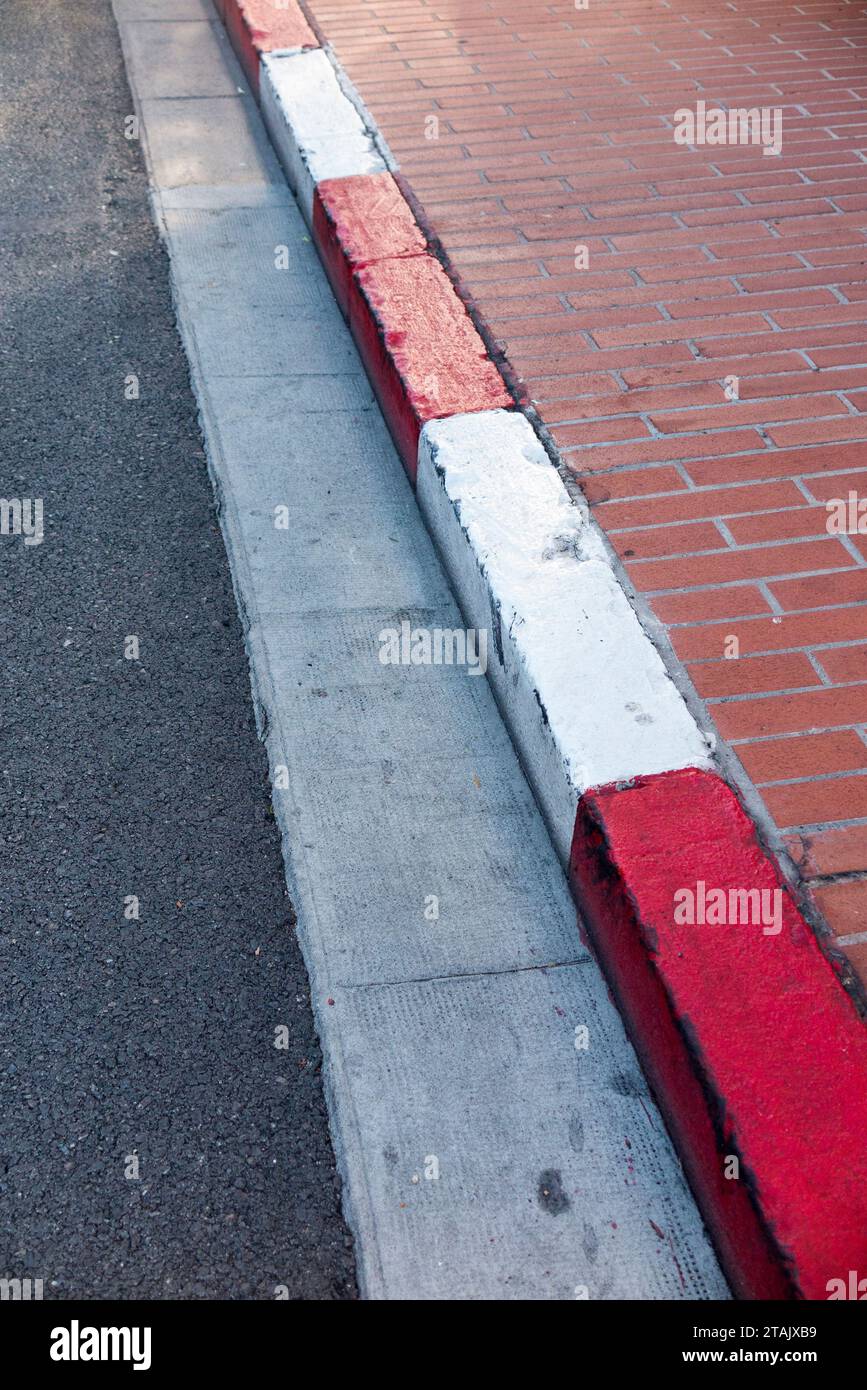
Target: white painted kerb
[(585, 693), (316, 130)]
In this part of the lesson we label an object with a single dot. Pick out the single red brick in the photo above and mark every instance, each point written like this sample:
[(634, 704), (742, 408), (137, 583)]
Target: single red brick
[(775, 634), (633, 482), (704, 605), (824, 799), (830, 379), (667, 540), (608, 431), (727, 568), (695, 506), (789, 316), (825, 852), (756, 303), (832, 707), (776, 463), (741, 412), (580, 286), (819, 431), (813, 340), (837, 356), (844, 664), (568, 388), (780, 525), (856, 955), (784, 281), (693, 446), (500, 310), (487, 241), (696, 370), (779, 759), (821, 590), (843, 905), (513, 331), (752, 674)]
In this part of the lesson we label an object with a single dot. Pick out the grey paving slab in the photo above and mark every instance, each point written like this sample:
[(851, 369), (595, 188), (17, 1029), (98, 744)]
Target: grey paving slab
[(346, 444), (213, 249), (403, 711), (456, 879), (273, 341), (209, 141), (214, 197), (163, 10), (447, 971), (171, 60), (549, 1171), (294, 571)]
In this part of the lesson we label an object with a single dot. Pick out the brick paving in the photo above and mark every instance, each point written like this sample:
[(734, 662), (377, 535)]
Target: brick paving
[(708, 272)]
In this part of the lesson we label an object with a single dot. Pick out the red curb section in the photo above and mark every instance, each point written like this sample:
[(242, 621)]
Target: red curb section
[(752, 1045), (423, 354), (259, 26), (360, 219), (416, 339)]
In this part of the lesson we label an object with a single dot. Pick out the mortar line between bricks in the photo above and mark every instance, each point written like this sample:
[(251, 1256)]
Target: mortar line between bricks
[(743, 549), (766, 615), (625, 468), (784, 577), (843, 644), (775, 738), (817, 689), (816, 777), (735, 483)]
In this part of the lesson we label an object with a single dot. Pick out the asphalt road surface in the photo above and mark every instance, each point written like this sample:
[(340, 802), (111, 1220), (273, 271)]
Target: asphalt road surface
[(154, 1143)]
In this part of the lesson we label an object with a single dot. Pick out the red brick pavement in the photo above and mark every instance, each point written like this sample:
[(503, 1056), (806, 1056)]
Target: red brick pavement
[(529, 132)]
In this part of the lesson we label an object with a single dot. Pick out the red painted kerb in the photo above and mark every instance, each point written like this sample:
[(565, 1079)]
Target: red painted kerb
[(755, 1050)]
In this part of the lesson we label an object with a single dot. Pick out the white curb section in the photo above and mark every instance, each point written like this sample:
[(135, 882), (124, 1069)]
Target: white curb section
[(315, 128), (583, 690)]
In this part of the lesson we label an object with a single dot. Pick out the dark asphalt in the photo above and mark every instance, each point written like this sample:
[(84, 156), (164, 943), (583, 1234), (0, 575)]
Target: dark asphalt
[(118, 1037)]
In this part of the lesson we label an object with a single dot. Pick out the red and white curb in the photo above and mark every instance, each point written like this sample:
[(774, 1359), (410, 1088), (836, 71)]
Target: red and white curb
[(755, 1050), (583, 689), (258, 27)]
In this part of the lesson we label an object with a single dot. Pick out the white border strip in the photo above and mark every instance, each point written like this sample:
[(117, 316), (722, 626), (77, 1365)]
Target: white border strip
[(316, 130), (583, 690)]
